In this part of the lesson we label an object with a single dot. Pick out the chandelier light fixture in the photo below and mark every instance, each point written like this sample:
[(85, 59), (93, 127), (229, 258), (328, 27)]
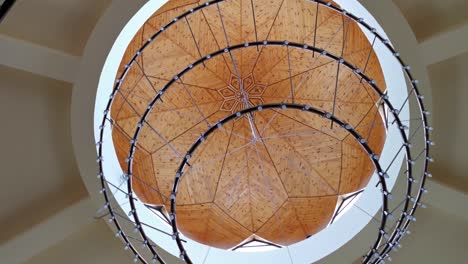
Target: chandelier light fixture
[(266, 131)]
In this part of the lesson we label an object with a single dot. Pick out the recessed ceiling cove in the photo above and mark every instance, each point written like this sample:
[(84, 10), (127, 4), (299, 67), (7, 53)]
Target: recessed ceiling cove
[(274, 175)]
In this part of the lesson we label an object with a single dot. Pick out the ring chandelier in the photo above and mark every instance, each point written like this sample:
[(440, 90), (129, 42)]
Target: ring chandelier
[(396, 213)]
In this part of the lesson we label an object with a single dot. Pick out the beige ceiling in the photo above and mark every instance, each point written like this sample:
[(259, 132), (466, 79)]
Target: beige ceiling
[(450, 80), (434, 16), (63, 25), (38, 165), (449, 83), (39, 172)]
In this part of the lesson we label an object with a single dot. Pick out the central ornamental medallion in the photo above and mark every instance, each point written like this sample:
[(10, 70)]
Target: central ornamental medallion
[(233, 97)]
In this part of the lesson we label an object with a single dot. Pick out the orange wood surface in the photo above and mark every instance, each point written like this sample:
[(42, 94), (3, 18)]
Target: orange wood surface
[(283, 187)]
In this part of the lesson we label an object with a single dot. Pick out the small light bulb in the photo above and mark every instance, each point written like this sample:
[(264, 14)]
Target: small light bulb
[(413, 180), (422, 205)]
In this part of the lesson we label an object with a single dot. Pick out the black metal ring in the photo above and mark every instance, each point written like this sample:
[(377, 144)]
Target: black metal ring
[(357, 71), (401, 222), (306, 108)]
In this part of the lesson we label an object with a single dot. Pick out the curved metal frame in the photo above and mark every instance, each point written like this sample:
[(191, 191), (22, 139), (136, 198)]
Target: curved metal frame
[(357, 71), (403, 221), (204, 136)]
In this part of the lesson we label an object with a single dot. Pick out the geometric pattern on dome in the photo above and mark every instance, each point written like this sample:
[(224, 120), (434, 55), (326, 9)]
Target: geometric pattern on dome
[(323, 86), (318, 161), (233, 97), (256, 191)]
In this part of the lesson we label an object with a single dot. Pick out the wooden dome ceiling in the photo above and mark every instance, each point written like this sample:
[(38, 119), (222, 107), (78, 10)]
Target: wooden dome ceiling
[(283, 187)]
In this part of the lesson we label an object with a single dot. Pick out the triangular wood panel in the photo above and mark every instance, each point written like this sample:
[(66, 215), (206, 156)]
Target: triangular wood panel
[(274, 173)]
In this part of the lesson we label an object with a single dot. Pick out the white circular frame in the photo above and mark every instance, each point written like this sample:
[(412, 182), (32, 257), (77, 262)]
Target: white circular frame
[(323, 243)]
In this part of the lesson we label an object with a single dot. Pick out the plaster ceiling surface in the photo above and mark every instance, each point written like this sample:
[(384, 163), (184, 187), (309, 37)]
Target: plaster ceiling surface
[(37, 156), (212, 91), (450, 84), (62, 25), (440, 15), (100, 247), (94, 245)]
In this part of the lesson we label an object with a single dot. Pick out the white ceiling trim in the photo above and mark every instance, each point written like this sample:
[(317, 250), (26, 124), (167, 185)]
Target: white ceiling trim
[(445, 45), (37, 59), (103, 38), (48, 233)]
